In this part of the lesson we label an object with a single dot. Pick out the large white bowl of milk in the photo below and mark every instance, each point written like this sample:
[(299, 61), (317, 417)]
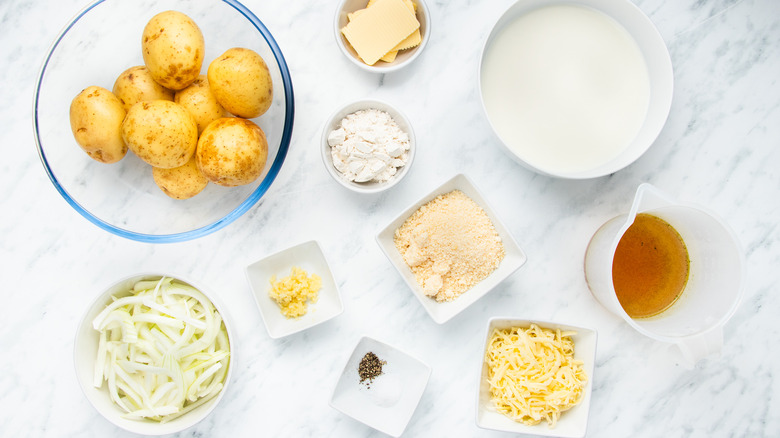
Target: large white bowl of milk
[(575, 89)]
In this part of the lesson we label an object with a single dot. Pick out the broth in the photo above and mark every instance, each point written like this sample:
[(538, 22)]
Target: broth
[(650, 268)]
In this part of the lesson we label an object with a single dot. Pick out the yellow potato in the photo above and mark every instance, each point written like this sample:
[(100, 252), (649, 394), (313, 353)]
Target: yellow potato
[(241, 82), (198, 99), (136, 85), (232, 151), (181, 182), (160, 132), (96, 117), (173, 47)]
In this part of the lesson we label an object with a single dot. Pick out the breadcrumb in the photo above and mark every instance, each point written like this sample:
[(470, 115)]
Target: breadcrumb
[(450, 245)]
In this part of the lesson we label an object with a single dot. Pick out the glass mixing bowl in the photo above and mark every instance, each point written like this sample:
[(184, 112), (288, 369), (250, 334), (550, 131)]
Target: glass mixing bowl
[(95, 47)]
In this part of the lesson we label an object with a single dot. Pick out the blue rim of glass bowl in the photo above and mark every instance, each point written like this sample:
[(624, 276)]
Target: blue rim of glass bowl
[(253, 198)]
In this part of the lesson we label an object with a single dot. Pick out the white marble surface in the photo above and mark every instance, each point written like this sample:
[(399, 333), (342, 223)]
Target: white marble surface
[(719, 148)]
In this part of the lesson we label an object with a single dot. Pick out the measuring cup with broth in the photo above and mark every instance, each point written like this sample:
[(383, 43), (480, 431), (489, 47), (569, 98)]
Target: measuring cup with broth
[(672, 271)]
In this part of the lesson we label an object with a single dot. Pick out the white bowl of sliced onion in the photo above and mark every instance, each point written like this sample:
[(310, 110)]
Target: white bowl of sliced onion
[(153, 354)]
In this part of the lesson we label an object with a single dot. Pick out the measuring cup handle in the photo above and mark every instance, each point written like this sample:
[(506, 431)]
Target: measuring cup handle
[(698, 347)]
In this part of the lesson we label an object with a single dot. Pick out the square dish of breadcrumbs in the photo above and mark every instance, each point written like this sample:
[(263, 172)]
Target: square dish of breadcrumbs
[(450, 245)]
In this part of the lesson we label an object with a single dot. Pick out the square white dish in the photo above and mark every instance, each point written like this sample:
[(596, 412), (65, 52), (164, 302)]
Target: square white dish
[(388, 402), (442, 312), (572, 423), (309, 257)]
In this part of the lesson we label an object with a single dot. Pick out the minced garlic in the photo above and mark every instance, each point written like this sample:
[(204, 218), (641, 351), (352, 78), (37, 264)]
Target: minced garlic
[(293, 292)]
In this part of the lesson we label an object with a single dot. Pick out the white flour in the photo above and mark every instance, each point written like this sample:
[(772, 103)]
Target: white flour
[(368, 146)]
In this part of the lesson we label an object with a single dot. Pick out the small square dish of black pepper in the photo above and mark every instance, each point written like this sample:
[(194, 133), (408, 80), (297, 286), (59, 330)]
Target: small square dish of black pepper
[(380, 386)]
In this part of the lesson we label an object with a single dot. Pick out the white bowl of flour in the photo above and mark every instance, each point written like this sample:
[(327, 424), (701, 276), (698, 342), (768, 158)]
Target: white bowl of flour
[(368, 146)]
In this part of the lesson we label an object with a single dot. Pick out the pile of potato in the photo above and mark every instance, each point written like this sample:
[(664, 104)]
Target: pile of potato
[(191, 128)]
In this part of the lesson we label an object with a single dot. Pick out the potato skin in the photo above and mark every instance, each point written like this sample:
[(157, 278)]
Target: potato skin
[(181, 182), (198, 99), (96, 117), (241, 82), (137, 85), (232, 152), (172, 46), (162, 133)]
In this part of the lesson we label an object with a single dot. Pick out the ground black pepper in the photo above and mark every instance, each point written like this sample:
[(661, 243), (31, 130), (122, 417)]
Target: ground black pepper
[(370, 367)]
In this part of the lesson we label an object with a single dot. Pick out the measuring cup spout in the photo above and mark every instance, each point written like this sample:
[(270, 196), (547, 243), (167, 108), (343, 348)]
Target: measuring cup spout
[(648, 197)]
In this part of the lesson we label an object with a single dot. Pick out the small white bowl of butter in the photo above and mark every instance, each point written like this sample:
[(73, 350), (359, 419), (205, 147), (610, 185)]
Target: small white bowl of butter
[(368, 146), (392, 51), (575, 89)]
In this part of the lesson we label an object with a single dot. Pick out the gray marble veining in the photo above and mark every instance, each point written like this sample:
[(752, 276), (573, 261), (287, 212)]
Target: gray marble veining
[(718, 148)]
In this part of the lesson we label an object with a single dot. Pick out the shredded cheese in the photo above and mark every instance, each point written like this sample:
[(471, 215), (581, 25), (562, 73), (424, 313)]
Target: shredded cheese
[(532, 373)]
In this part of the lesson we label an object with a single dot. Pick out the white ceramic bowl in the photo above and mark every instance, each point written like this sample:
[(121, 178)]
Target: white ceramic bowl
[(659, 65), (572, 423), (404, 58), (442, 312), (85, 352), (309, 257), (334, 121), (388, 402)]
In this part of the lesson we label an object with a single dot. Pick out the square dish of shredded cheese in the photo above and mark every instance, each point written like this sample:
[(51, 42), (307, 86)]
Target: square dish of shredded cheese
[(532, 373)]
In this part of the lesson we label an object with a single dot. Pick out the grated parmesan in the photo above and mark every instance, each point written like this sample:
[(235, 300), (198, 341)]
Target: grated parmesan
[(294, 291), (532, 373), (450, 245)]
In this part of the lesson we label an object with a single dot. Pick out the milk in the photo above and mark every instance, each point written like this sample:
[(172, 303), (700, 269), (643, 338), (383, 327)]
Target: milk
[(565, 87)]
